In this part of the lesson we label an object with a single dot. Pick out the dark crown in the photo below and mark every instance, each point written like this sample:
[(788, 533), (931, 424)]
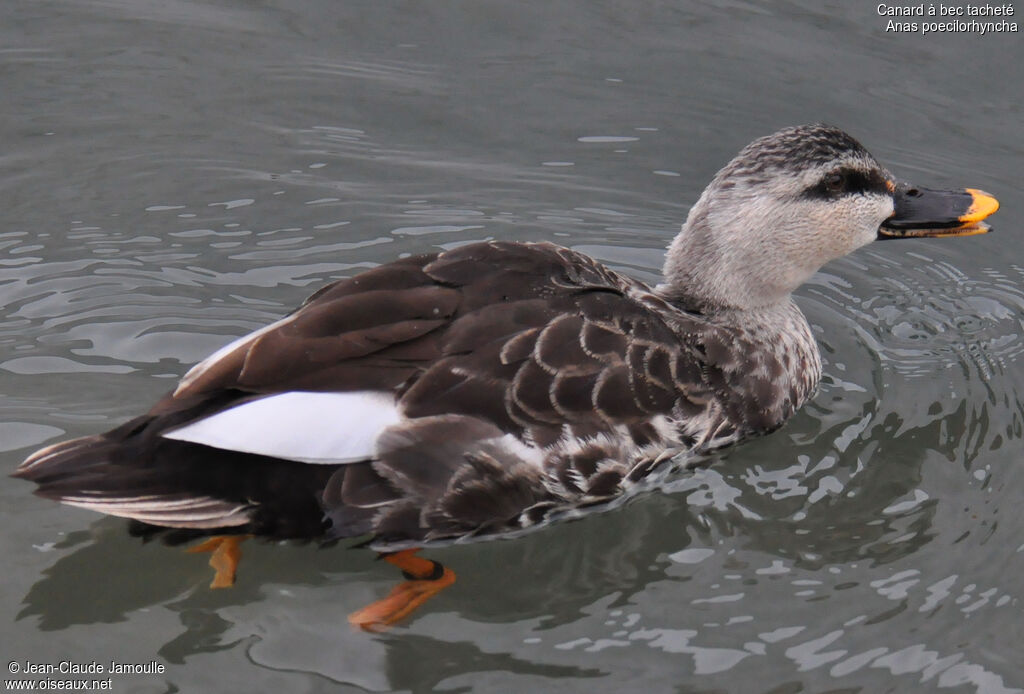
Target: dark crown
[(795, 148)]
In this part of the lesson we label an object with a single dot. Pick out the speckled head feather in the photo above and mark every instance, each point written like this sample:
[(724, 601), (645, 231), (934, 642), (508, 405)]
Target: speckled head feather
[(793, 150)]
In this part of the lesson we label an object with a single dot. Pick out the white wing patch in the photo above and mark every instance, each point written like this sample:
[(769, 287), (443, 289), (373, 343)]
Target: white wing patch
[(328, 428)]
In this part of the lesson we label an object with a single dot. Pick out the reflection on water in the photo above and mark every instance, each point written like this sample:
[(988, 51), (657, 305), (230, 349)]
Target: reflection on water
[(690, 574)]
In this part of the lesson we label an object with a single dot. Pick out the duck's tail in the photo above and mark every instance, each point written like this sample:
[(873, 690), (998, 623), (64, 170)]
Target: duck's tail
[(80, 472)]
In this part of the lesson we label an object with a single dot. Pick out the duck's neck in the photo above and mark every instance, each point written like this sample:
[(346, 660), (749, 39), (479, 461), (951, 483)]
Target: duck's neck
[(774, 322), (727, 256), (701, 275), (719, 280)]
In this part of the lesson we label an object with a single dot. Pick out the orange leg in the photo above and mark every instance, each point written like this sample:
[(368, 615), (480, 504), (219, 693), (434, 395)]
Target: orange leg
[(226, 552), (426, 579)]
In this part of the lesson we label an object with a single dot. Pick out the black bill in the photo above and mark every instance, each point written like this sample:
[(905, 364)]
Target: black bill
[(920, 213)]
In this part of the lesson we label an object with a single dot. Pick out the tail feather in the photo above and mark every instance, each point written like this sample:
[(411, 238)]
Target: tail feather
[(80, 473), (60, 459)]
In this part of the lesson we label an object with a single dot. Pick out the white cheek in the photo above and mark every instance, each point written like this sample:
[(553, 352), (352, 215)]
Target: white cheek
[(857, 223), (877, 209)]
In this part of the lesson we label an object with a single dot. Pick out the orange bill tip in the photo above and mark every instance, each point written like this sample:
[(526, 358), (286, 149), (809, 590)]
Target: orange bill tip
[(983, 205)]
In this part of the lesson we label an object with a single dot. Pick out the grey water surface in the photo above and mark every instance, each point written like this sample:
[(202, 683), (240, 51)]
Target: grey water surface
[(176, 173)]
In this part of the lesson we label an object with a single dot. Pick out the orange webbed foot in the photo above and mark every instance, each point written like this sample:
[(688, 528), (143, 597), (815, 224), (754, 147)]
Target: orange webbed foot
[(226, 553), (426, 579)]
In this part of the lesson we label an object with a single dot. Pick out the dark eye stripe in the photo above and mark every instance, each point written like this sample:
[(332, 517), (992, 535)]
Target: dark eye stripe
[(856, 182)]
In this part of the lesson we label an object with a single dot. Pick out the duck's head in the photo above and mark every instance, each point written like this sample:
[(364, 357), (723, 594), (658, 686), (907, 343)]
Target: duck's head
[(790, 202)]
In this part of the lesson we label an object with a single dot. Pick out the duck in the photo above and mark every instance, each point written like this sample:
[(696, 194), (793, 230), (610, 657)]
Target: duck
[(486, 390)]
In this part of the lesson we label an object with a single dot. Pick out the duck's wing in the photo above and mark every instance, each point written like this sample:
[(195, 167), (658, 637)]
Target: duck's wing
[(537, 340)]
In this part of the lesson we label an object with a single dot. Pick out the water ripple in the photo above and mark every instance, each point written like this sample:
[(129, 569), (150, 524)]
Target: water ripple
[(925, 318)]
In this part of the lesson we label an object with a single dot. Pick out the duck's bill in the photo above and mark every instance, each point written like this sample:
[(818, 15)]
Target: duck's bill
[(924, 213)]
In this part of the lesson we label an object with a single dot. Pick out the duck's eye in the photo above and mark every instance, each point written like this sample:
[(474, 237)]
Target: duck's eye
[(835, 182)]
